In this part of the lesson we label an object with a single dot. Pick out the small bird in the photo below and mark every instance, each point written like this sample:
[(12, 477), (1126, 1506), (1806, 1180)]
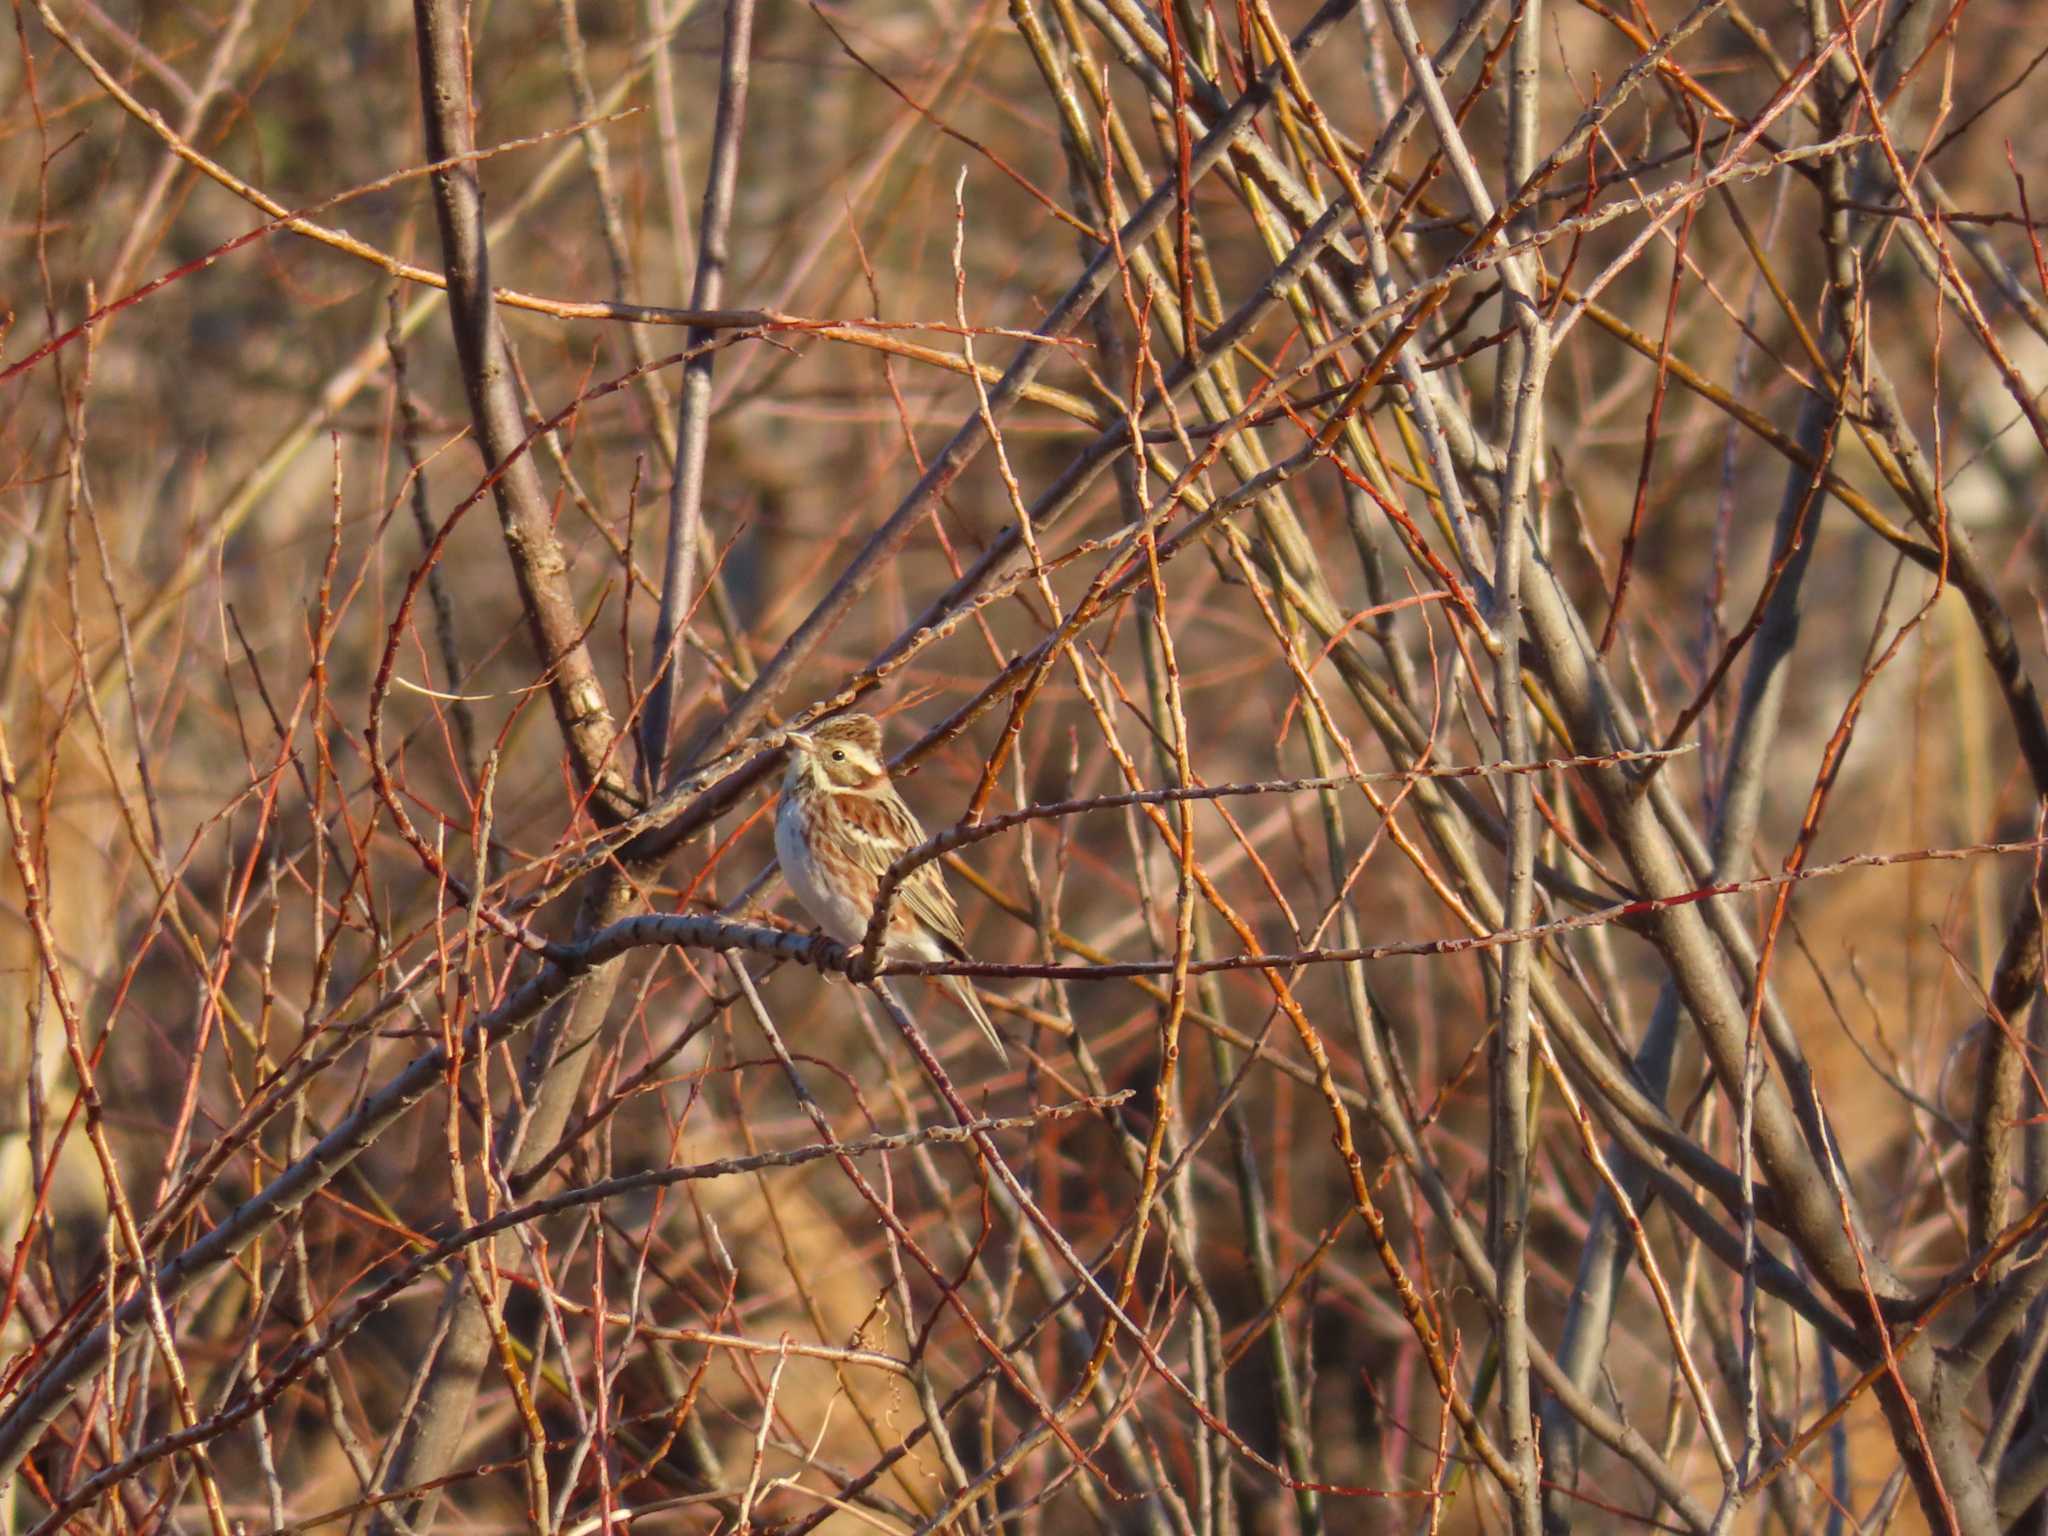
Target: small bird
[(839, 828)]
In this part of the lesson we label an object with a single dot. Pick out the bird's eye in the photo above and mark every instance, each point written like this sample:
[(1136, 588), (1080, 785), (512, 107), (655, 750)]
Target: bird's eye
[(838, 756)]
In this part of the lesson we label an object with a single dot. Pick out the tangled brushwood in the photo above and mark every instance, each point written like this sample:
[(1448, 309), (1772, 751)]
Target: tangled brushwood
[(1454, 598)]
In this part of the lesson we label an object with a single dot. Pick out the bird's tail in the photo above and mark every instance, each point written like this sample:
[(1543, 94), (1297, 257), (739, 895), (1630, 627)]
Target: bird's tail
[(962, 987)]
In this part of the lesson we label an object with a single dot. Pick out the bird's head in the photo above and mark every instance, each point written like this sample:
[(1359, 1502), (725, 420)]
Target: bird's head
[(844, 753)]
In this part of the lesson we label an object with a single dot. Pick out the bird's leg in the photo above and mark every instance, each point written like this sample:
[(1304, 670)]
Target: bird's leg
[(860, 965)]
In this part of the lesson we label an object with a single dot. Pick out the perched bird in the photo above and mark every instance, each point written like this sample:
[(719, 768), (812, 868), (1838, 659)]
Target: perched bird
[(839, 828)]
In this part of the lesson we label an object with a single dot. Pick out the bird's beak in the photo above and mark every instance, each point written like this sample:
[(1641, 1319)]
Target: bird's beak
[(796, 741)]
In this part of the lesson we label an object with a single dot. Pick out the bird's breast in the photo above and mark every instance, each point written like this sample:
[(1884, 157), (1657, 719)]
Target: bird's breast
[(830, 907)]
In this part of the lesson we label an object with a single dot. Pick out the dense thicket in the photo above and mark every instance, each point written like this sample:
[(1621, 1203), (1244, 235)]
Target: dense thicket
[(1458, 587)]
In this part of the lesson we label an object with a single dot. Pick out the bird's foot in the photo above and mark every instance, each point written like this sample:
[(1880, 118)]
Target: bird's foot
[(860, 964)]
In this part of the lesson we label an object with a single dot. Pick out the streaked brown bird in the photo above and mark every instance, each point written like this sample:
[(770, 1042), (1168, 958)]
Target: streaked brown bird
[(840, 826)]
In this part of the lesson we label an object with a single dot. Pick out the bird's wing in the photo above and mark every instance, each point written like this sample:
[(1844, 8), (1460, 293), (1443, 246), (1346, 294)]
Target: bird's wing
[(879, 829)]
